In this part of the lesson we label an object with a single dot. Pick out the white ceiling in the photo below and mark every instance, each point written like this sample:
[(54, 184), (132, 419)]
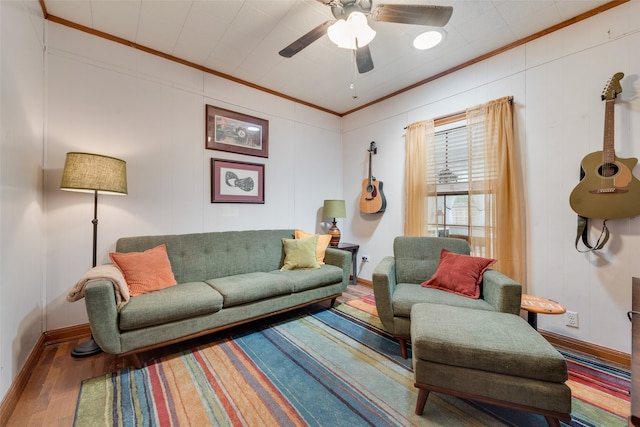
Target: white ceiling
[(242, 38)]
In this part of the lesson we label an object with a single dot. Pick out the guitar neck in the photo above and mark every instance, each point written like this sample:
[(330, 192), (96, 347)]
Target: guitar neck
[(608, 152)]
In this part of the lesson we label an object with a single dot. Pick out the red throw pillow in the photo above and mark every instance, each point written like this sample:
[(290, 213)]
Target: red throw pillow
[(145, 271), (459, 274)]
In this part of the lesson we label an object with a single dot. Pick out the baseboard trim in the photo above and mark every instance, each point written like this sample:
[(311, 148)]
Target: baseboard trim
[(69, 333), (604, 353), (20, 382), (367, 283)]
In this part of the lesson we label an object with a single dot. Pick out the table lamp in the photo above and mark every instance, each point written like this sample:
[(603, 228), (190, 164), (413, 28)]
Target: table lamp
[(93, 173), (334, 209)]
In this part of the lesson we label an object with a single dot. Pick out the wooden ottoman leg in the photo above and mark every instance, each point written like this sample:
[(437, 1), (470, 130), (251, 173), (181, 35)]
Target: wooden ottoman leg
[(552, 421), (423, 394)]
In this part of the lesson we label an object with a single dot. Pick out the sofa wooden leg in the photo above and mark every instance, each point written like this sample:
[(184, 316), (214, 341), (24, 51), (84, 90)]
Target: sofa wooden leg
[(403, 347), (136, 360), (423, 394), (333, 301)]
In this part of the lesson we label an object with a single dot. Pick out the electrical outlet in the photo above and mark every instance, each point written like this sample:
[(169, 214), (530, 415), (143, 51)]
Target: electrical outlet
[(365, 258), (572, 319)]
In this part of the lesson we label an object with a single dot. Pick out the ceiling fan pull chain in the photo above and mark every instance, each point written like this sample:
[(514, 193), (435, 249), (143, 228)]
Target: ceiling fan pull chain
[(352, 86)]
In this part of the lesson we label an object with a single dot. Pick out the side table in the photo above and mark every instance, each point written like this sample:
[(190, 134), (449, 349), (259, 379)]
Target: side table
[(353, 248), (534, 305)]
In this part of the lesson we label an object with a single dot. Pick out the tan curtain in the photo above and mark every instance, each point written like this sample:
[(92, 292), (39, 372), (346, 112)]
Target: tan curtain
[(502, 206), (419, 138)]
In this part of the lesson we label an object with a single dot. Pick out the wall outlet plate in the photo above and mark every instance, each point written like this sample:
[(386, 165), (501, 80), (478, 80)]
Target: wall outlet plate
[(571, 319), (365, 258)]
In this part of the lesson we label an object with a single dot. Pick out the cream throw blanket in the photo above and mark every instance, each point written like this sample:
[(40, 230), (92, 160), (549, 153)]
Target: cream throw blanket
[(102, 272)]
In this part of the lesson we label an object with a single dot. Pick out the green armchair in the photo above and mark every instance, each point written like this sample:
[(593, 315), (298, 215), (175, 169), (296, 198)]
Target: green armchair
[(397, 279)]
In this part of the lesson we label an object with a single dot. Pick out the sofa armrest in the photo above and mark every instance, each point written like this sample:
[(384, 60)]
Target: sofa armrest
[(100, 300), (341, 259), (384, 285), (502, 292)]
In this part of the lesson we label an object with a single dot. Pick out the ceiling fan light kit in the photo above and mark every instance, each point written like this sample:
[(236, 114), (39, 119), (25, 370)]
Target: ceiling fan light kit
[(429, 39), (352, 33), (350, 29)]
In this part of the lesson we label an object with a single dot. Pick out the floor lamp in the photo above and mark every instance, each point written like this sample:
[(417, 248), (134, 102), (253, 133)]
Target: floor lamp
[(93, 173)]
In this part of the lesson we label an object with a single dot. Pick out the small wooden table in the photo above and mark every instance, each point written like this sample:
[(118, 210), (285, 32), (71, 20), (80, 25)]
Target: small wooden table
[(534, 305), (353, 248)]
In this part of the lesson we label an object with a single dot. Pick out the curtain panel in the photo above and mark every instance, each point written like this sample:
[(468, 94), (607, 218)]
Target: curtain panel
[(419, 144), (503, 218), (493, 175)]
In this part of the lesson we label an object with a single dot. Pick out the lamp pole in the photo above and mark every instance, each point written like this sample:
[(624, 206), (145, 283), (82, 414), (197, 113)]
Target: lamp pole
[(91, 347), (95, 228)]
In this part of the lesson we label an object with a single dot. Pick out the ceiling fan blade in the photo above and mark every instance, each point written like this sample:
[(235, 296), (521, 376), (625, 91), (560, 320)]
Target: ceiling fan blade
[(433, 16), (363, 59), (306, 40)]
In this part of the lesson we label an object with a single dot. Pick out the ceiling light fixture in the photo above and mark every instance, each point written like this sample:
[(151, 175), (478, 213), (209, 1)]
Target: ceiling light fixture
[(428, 39), (352, 33)]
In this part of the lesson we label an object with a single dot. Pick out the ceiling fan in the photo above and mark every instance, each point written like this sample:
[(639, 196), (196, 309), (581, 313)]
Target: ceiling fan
[(342, 10)]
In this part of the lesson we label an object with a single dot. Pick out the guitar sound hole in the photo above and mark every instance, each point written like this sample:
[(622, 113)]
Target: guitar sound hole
[(608, 169)]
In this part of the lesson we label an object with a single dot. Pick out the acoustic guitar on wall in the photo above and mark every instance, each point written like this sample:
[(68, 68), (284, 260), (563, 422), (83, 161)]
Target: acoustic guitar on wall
[(372, 199), (607, 189)]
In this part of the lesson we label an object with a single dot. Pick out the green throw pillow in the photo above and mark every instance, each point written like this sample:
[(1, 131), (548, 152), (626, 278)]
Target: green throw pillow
[(300, 253)]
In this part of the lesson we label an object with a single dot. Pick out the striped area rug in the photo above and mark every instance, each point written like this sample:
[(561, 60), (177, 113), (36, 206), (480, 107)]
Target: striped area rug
[(322, 367)]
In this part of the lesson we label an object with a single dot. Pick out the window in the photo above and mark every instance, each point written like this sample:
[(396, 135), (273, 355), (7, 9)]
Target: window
[(454, 210)]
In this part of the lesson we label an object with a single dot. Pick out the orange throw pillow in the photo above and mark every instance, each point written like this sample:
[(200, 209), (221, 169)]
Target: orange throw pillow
[(323, 243), (459, 274), (145, 271)]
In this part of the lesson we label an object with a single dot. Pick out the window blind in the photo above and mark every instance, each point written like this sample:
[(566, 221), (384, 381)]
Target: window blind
[(451, 156), (454, 149)]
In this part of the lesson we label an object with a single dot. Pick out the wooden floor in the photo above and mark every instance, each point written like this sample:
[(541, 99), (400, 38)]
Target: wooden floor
[(52, 390)]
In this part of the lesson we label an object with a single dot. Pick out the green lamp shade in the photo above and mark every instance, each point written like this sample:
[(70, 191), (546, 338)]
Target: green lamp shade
[(93, 172), (334, 209)]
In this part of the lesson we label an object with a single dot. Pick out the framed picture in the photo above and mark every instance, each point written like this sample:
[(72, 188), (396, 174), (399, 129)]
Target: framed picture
[(236, 133), (236, 182)]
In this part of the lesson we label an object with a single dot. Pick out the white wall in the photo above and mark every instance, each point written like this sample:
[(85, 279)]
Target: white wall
[(21, 215), (110, 99), (88, 94), (556, 82)]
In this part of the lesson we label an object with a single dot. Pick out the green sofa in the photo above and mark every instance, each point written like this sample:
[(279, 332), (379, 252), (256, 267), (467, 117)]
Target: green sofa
[(397, 279), (224, 279)]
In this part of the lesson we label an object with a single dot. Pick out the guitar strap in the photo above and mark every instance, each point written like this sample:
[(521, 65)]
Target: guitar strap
[(583, 233)]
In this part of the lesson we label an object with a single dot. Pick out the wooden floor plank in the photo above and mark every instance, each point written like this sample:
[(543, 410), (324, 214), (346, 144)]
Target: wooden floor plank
[(51, 393)]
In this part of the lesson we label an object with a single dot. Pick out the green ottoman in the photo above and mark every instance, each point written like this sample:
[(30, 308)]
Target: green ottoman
[(487, 356)]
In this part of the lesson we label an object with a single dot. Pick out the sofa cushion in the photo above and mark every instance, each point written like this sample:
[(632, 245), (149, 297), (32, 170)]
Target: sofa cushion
[(250, 287), (323, 243), (460, 274), (408, 294), (171, 304), (487, 341), (303, 280), (146, 271), (300, 253)]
